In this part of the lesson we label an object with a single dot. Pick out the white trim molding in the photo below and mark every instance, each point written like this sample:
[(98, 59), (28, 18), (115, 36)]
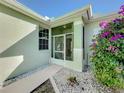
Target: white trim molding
[(85, 12), (105, 17), (13, 4)]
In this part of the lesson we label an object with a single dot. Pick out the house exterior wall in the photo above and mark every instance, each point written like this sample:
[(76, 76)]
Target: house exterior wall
[(76, 64), (19, 37), (91, 29), (78, 44)]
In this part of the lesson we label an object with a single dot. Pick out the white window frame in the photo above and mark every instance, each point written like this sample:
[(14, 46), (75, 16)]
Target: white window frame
[(64, 41)]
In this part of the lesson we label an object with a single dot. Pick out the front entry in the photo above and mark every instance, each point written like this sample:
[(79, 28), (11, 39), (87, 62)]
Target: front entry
[(58, 47), (66, 45), (63, 46)]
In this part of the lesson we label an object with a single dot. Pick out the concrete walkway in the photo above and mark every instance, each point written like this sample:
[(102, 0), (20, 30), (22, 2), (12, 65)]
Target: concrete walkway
[(26, 85)]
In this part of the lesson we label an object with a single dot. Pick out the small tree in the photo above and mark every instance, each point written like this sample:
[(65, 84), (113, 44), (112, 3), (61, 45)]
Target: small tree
[(108, 52)]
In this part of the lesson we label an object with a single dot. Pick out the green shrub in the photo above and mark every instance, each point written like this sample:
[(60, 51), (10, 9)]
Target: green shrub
[(108, 52)]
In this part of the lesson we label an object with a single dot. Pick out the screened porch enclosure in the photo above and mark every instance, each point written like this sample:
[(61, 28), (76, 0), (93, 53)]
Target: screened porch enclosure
[(62, 42)]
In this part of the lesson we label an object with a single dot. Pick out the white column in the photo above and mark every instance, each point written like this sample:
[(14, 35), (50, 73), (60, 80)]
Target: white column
[(78, 43), (50, 37)]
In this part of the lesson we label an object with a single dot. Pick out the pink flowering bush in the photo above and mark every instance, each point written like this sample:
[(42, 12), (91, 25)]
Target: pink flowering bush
[(104, 24), (121, 10), (108, 52)]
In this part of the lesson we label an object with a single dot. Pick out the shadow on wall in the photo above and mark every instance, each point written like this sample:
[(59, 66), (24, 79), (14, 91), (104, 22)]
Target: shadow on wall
[(8, 65), (20, 25), (13, 27), (29, 48)]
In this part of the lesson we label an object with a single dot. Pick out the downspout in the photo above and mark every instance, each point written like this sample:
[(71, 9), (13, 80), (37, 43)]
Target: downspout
[(85, 64)]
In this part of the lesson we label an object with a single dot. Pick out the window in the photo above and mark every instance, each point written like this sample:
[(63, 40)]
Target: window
[(43, 39), (69, 47), (63, 46), (62, 42), (59, 47)]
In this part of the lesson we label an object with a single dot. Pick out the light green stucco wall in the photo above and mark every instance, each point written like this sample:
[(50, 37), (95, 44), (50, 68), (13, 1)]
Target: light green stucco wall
[(76, 64), (27, 45), (78, 44), (91, 29), (61, 30), (78, 33)]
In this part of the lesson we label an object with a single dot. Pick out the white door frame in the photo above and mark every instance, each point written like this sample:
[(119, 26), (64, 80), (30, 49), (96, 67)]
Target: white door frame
[(54, 45), (64, 41)]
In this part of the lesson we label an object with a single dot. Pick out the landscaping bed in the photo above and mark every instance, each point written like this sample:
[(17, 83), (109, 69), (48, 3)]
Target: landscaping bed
[(108, 52), (86, 82)]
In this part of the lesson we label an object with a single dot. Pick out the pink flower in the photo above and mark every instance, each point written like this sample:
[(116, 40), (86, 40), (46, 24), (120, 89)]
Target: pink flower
[(109, 48), (121, 12), (116, 37), (122, 7), (103, 35), (116, 20), (104, 24), (94, 45), (113, 49)]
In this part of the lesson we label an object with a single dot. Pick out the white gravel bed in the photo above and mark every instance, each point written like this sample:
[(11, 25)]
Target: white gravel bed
[(87, 83)]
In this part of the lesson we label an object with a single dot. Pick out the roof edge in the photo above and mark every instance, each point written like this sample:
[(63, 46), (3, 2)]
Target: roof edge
[(13, 4), (81, 10), (100, 18)]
